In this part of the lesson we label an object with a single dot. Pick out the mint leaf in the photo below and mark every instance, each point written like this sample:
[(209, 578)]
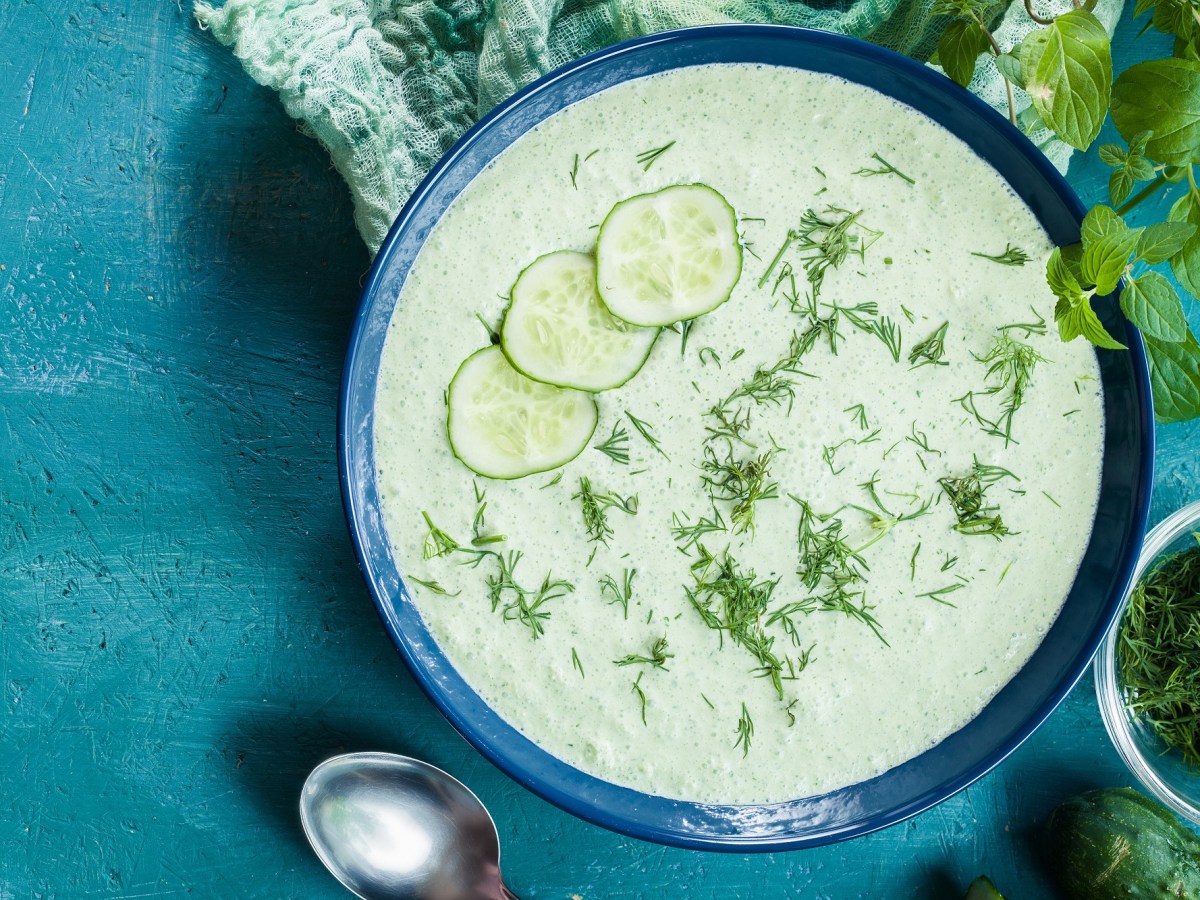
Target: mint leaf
[(1186, 262), (959, 49), (1175, 378), (1162, 95), (1163, 240), (1120, 185), (1075, 319), (1150, 303), (1010, 67), (1105, 258), (1062, 280), (1100, 221), (1112, 154), (1068, 75)]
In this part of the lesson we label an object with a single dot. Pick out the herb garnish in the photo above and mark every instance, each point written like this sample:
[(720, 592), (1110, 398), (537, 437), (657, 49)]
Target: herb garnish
[(931, 350), (658, 656), (1011, 256), (637, 689), (594, 505), (576, 664), (524, 605), (744, 483), (1010, 370), (434, 586), (616, 447), (646, 430), (1157, 653), (745, 730), (437, 542), (620, 593), (888, 169), (647, 158), (940, 593), (824, 239), (967, 496)]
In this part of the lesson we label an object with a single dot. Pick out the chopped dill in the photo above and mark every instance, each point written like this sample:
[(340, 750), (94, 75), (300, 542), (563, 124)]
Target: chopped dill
[(931, 350), (968, 499), (657, 657), (744, 483), (912, 563), (553, 481), (1158, 658), (823, 240), (637, 689), (858, 413), (686, 534), (576, 664), (434, 586), (595, 506), (437, 542), (616, 447), (647, 158), (940, 593), (1012, 256), (1010, 364), (646, 430), (888, 169), (745, 730), (621, 593)]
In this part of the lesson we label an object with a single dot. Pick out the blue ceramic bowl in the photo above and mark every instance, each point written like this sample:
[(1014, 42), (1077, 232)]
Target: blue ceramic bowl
[(1014, 713)]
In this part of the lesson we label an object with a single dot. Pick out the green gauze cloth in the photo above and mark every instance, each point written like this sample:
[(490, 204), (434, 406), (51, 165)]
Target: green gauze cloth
[(388, 85)]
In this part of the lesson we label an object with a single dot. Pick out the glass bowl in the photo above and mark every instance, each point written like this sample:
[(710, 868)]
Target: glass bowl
[(1161, 770)]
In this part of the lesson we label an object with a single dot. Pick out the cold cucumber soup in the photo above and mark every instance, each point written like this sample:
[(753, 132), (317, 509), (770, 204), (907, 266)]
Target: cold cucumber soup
[(825, 522)]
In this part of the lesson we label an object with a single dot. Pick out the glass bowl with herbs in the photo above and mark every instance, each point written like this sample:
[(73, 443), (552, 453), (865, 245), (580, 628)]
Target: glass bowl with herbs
[(1148, 668)]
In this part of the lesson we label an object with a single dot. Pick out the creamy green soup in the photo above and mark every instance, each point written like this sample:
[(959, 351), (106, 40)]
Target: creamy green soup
[(892, 612)]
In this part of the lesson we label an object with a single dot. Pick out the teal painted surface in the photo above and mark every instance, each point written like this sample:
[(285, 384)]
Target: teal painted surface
[(183, 630)]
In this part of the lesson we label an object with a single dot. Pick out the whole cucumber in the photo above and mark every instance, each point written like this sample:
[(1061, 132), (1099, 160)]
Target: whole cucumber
[(1118, 844)]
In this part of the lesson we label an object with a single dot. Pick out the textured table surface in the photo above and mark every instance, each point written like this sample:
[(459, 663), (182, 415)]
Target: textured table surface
[(183, 629)]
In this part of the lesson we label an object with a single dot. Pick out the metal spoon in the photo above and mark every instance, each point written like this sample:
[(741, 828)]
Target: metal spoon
[(394, 828)]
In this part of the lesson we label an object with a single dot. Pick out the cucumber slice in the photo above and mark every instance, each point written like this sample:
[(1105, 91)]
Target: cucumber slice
[(557, 330), (504, 425), (668, 256)]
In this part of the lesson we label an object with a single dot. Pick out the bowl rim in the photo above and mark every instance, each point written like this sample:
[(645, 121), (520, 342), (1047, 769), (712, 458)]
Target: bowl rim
[(1116, 717), (638, 826)]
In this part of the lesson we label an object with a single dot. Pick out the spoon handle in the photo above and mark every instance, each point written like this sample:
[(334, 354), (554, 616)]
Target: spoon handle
[(507, 894)]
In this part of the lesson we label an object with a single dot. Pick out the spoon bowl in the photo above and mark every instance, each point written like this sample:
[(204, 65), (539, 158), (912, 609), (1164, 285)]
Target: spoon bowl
[(390, 827)]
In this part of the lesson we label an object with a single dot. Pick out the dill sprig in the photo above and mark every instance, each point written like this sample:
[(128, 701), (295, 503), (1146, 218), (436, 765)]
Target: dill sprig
[(616, 446), (968, 499), (657, 657), (576, 664), (479, 537), (887, 169), (595, 506), (733, 600), (744, 483), (517, 603), (434, 586), (622, 593), (686, 534), (1158, 656), (859, 414), (824, 240), (647, 158), (646, 430), (1010, 364), (882, 520), (1012, 256), (940, 594), (889, 333), (745, 730), (637, 689), (437, 542), (827, 561), (931, 350), (575, 167)]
